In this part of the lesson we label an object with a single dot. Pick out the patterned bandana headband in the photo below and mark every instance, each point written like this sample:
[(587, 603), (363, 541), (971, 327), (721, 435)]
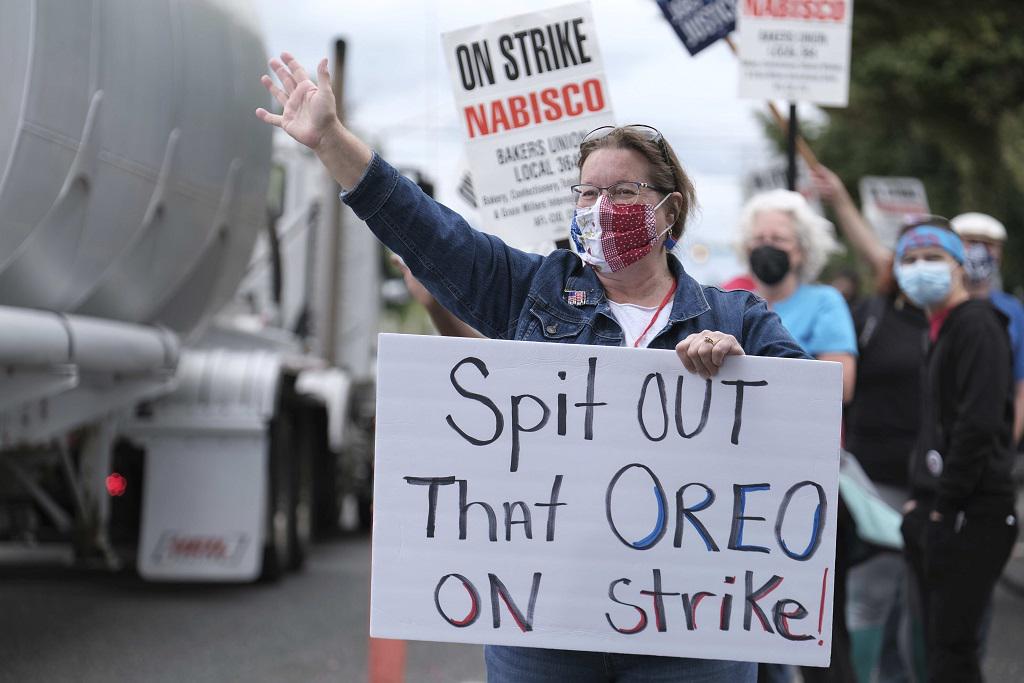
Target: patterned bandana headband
[(931, 236)]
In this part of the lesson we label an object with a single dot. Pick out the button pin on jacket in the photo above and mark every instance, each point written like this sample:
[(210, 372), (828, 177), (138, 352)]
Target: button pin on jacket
[(576, 297)]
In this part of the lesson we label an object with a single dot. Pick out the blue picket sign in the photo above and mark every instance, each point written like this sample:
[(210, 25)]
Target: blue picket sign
[(699, 23)]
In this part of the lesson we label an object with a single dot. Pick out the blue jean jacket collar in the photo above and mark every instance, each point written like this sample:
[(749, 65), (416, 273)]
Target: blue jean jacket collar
[(688, 302), (509, 294)]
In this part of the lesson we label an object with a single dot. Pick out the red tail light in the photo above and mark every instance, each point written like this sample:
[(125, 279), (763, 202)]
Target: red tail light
[(116, 484)]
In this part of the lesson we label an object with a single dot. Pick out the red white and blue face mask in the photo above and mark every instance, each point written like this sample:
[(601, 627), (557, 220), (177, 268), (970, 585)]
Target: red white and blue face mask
[(611, 237)]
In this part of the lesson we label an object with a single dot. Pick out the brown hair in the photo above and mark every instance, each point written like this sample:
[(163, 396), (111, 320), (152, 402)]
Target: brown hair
[(918, 221), (666, 171)]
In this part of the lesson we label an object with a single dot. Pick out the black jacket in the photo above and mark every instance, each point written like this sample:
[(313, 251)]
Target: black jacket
[(884, 418), (963, 456)]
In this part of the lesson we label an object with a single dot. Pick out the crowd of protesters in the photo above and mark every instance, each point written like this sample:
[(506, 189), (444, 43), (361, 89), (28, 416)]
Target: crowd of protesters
[(933, 369), (932, 386)]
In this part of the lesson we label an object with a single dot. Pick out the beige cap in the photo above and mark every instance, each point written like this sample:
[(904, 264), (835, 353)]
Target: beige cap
[(979, 226)]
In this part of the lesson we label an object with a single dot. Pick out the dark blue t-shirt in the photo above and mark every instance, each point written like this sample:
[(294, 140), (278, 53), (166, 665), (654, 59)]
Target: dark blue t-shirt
[(1014, 310)]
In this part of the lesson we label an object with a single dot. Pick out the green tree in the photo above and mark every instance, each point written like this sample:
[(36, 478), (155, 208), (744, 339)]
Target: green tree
[(937, 92)]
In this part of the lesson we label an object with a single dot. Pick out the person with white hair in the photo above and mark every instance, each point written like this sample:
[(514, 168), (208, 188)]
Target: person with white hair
[(787, 246), (983, 237)]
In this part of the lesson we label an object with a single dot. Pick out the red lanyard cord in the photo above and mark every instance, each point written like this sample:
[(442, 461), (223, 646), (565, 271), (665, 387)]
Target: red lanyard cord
[(664, 302)]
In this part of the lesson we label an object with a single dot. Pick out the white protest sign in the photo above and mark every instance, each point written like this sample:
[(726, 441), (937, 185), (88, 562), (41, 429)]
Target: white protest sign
[(773, 176), (604, 499), (527, 89), (796, 50), (886, 202)]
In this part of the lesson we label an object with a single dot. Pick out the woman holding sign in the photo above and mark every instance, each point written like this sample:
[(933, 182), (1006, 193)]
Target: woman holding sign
[(620, 287)]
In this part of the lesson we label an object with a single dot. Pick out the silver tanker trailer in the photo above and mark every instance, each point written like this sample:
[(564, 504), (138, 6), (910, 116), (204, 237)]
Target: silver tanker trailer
[(179, 379)]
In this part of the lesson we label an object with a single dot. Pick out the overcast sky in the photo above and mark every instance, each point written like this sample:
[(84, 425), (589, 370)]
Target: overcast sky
[(399, 96)]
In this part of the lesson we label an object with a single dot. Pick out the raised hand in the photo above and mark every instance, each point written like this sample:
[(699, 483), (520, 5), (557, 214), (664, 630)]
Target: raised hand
[(852, 224), (311, 117), (309, 108), (829, 186)]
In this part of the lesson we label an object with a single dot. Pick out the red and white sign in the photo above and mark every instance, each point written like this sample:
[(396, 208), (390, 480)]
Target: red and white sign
[(796, 50), (887, 202), (527, 89)]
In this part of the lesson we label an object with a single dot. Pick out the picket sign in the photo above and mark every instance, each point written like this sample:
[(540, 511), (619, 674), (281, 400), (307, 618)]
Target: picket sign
[(604, 499), (699, 23), (528, 88), (796, 51), (887, 202)]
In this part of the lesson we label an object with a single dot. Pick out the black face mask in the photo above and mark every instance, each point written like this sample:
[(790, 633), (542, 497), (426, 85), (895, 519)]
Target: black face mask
[(769, 264)]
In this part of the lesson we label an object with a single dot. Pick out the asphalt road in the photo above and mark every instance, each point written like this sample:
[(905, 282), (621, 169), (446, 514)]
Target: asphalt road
[(62, 624)]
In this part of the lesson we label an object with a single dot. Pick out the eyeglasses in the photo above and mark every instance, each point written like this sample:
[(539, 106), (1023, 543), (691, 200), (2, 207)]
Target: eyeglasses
[(777, 241), (646, 132), (622, 193)]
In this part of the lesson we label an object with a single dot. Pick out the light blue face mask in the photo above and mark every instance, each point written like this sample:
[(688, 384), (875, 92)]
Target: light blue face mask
[(926, 283)]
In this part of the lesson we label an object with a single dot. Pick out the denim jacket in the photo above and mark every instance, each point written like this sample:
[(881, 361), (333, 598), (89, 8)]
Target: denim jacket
[(510, 294)]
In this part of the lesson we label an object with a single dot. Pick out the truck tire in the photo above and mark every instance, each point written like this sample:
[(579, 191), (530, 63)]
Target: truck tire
[(326, 478), (280, 510), (310, 436)]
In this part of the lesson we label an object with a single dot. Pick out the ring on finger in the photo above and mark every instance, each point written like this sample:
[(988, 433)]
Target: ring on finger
[(709, 340)]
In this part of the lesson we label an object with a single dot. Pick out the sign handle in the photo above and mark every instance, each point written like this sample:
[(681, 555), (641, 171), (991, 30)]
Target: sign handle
[(385, 658), (792, 135), (386, 661)]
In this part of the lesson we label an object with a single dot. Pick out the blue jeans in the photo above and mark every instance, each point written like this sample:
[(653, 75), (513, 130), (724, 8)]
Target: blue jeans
[(536, 665)]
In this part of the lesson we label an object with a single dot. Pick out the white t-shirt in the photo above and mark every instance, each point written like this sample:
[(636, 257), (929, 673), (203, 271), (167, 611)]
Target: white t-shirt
[(633, 319)]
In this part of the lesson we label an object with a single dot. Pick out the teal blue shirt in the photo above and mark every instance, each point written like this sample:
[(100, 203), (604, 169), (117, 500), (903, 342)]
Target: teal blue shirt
[(819, 319)]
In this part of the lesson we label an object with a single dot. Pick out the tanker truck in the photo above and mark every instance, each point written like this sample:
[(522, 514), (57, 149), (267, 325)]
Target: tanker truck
[(184, 387)]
